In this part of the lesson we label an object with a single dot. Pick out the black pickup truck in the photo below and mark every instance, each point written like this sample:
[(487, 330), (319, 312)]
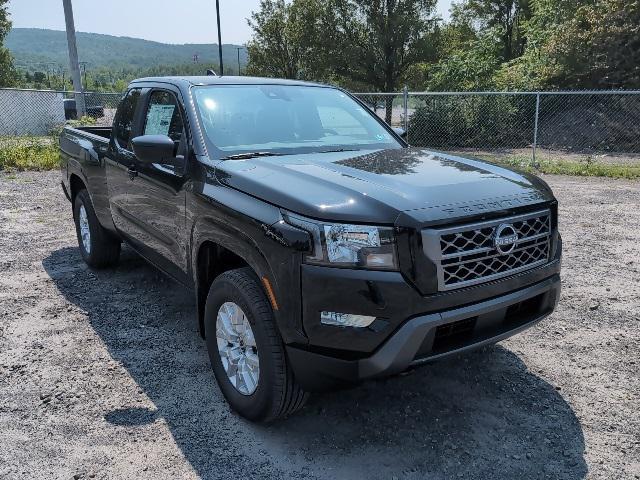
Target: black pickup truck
[(322, 250)]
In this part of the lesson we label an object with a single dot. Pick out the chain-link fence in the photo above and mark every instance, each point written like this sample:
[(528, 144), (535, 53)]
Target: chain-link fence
[(390, 107), (594, 126), (38, 112), (30, 121)]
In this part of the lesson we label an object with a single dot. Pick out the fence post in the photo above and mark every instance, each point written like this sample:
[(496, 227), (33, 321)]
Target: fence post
[(535, 130), (405, 107)]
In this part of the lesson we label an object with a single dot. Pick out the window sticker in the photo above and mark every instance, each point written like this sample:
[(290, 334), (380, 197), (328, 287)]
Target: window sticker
[(159, 119)]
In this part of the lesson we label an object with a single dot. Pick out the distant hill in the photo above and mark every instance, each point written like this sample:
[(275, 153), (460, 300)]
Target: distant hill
[(34, 48)]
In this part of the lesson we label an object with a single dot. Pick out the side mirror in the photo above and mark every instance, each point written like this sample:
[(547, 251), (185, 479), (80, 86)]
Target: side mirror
[(400, 132), (154, 149)]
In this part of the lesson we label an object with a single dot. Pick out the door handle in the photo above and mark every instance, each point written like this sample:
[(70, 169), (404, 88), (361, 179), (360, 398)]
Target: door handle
[(133, 173)]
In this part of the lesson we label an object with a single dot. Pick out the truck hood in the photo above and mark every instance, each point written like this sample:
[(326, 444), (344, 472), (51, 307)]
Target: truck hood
[(405, 186)]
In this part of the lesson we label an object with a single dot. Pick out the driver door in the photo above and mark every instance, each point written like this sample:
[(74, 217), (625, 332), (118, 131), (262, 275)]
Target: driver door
[(155, 195)]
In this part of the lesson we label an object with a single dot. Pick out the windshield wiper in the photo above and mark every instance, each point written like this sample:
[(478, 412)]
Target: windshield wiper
[(246, 155), (340, 150), (243, 156)]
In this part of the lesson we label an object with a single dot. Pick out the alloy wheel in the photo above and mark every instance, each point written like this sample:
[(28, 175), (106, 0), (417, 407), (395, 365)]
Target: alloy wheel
[(237, 348)]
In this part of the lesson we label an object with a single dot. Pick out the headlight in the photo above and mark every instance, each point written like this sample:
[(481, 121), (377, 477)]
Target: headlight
[(339, 244)]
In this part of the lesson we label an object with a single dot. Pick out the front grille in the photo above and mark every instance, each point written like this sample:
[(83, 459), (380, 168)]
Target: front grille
[(472, 254)]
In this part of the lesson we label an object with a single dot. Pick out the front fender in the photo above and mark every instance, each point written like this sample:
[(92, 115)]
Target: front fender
[(243, 225)]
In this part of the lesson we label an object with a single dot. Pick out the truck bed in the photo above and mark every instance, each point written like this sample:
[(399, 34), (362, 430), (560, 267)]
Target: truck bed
[(82, 151), (104, 132)]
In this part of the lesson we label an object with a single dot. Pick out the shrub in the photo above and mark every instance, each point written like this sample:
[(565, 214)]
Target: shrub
[(35, 153), (85, 121), (482, 121), (29, 153)]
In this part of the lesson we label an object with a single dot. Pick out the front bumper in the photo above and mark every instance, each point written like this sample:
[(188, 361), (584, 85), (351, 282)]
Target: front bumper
[(434, 335)]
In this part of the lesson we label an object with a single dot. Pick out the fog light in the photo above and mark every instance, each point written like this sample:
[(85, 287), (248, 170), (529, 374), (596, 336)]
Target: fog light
[(346, 319)]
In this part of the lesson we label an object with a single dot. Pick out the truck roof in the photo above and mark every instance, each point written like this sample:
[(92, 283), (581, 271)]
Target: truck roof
[(216, 80)]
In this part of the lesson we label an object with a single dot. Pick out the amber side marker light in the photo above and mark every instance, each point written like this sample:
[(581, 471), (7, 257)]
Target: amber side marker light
[(270, 294)]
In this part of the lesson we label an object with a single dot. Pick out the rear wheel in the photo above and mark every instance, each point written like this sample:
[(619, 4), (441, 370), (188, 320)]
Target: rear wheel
[(98, 247), (246, 351)]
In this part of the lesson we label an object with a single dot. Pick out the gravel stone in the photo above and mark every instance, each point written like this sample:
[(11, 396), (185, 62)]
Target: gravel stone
[(130, 393)]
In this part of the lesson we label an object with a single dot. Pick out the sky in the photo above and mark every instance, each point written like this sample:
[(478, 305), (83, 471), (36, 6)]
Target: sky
[(194, 21)]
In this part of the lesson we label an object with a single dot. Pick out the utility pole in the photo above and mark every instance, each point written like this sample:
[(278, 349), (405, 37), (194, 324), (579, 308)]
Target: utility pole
[(238, 50), (219, 38), (51, 73), (83, 66), (73, 57)]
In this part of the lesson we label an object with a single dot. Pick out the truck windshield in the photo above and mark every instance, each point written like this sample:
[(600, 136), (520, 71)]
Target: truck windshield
[(286, 119)]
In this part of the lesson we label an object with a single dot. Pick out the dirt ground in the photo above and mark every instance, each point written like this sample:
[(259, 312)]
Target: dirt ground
[(103, 374)]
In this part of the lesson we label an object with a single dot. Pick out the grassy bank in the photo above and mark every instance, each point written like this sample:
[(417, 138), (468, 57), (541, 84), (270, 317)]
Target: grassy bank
[(28, 153), (41, 153), (576, 165), (566, 167)]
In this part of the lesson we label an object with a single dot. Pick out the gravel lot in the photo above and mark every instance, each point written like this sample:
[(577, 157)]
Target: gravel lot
[(103, 374)]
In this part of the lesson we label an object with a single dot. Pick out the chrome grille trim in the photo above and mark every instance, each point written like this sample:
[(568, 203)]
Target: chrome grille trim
[(465, 255)]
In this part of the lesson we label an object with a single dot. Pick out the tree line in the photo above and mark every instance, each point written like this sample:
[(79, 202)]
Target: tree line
[(382, 45), (7, 71), (41, 60), (105, 79)]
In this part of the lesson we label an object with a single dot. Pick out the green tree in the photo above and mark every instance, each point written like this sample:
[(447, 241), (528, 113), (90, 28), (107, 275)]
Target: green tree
[(8, 74), (481, 36), (578, 44), (375, 42), (504, 17), (537, 65), (39, 78), (356, 43), (598, 48), (287, 39), (470, 66)]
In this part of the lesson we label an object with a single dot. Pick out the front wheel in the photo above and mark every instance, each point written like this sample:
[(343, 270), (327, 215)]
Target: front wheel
[(246, 351), (98, 247)]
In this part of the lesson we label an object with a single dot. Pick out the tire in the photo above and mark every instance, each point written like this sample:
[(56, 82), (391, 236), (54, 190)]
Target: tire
[(99, 249), (276, 393)]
